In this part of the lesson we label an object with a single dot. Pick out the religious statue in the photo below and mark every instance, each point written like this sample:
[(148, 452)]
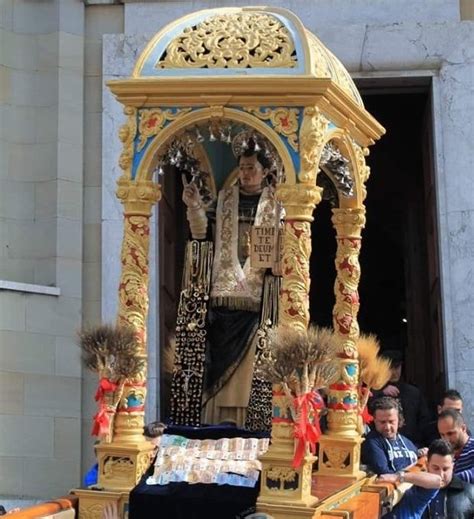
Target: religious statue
[(238, 313)]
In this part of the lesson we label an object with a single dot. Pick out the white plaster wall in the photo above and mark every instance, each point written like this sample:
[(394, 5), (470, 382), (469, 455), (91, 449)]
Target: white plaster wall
[(375, 39)]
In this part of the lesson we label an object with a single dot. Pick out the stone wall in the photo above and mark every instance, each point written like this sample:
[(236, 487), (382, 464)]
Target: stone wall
[(99, 20), (41, 212)]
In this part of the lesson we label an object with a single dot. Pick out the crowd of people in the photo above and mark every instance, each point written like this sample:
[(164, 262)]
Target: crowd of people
[(402, 433)]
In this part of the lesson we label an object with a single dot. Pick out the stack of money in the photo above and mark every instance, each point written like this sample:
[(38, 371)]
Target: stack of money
[(227, 461)]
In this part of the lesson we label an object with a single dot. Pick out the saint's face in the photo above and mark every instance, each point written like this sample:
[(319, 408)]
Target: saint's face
[(250, 174), (456, 435), (386, 423), (443, 466)]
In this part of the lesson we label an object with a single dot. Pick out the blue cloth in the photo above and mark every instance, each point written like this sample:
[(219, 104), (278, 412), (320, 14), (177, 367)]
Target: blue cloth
[(413, 503), (384, 456), (92, 476)]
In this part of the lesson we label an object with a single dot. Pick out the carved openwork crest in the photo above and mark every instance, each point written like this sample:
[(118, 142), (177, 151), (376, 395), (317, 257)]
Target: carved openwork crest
[(238, 40)]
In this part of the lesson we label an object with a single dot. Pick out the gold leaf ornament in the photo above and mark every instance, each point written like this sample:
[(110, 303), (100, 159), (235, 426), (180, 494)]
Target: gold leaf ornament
[(283, 120), (152, 121), (236, 40)]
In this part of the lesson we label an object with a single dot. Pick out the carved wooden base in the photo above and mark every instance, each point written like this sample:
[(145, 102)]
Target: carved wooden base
[(276, 511), (282, 485), (122, 465), (93, 502), (340, 456)]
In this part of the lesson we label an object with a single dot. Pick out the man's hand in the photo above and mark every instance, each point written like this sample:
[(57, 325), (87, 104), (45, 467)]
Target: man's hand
[(392, 391), (191, 196), (388, 478), (422, 452), (110, 511)]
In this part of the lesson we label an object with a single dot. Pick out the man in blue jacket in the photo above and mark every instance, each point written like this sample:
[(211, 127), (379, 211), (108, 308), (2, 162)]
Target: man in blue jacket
[(385, 450), (454, 500)]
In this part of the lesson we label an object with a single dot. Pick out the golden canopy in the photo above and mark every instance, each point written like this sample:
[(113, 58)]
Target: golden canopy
[(248, 41)]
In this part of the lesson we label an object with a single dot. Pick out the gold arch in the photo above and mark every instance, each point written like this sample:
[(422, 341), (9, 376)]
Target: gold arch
[(144, 171)]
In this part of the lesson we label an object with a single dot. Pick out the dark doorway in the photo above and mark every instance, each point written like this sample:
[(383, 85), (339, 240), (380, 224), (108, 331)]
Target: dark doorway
[(172, 235), (399, 288)]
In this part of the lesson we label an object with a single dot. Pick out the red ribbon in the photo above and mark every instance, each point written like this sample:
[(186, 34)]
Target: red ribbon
[(307, 430), (105, 385), (101, 422), (366, 416)]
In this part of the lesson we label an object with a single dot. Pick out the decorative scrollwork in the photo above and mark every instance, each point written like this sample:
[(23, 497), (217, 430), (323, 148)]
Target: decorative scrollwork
[(312, 137), (283, 120), (143, 462), (298, 202), (295, 267), (336, 458), (341, 420), (363, 171), (234, 40), (151, 122), (127, 134), (118, 468), (133, 289), (92, 511), (282, 479)]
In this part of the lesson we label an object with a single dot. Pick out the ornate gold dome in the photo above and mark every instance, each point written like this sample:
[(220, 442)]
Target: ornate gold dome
[(243, 42)]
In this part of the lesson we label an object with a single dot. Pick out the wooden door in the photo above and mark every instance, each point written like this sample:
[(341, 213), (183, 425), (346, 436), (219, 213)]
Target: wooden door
[(425, 358)]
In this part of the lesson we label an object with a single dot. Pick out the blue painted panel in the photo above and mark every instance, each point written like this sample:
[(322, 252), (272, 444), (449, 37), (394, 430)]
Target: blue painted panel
[(138, 155)]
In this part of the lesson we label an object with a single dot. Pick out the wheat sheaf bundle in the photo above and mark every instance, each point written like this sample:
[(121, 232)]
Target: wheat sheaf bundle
[(111, 351), (301, 361), (374, 370)]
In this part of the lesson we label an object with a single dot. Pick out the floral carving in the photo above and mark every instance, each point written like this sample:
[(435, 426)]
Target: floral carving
[(283, 120), (363, 171), (127, 134), (234, 40), (312, 138), (152, 121)]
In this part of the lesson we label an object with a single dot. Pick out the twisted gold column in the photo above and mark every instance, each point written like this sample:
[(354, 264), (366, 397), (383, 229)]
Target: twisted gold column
[(299, 201), (340, 448), (123, 461), (138, 200)]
